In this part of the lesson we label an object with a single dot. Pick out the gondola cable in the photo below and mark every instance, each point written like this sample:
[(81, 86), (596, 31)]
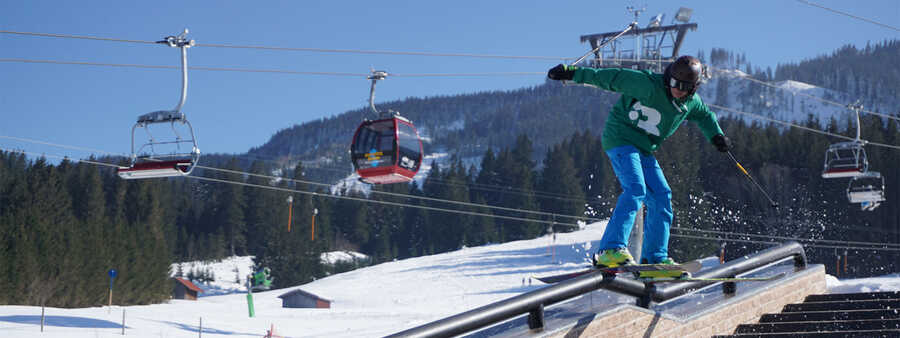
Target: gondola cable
[(549, 222)]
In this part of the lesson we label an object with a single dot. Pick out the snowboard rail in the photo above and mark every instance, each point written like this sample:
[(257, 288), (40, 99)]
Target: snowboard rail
[(533, 303)]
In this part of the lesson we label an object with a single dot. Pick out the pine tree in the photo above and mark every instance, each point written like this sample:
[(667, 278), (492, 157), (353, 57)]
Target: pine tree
[(231, 211), (559, 187), (89, 206), (263, 211)]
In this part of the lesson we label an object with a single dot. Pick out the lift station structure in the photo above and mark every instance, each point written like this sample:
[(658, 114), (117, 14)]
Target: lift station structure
[(651, 47)]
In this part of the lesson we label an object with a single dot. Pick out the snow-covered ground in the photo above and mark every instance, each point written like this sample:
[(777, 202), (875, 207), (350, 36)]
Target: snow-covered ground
[(368, 302)]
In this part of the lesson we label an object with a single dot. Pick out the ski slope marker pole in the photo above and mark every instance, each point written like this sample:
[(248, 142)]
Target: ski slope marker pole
[(773, 203)]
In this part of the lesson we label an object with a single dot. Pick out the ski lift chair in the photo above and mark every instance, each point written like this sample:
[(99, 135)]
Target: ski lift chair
[(866, 189), (165, 157), (149, 161), (845, 159)]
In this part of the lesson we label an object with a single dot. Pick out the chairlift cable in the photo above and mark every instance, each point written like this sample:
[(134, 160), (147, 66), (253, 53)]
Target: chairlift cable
[(384, 52), (775, 243), (483, 187), (280, 71), (313, 193), (22, 139), (761, 117), (849, 15), (823, 100), (303, 181), (403, 195), (443, 182), (296, 180), (98, 163), (251, 70), (718, 232), (371, 52), (69, 36), (297, 49)]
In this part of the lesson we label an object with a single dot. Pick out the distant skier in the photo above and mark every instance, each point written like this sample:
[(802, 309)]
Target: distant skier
[(651, 108)]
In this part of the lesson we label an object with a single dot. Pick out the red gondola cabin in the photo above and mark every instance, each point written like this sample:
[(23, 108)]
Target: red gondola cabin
[(386, 151)]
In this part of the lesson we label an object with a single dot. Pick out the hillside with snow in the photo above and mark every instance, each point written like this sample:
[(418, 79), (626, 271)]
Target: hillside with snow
[(788, 101), (367, 302)]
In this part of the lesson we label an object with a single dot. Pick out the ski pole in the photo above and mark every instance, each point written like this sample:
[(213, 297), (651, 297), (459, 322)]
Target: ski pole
[(773, 203), (630, 26)]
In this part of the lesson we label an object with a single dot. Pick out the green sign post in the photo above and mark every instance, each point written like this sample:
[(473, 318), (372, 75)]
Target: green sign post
[(250, 299)]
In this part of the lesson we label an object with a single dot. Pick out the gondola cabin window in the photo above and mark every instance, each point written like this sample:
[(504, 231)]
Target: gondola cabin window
[(410, 147), (375, 145)]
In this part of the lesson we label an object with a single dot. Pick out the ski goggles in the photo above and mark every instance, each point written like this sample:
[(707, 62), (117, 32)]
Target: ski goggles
[(682, 85)]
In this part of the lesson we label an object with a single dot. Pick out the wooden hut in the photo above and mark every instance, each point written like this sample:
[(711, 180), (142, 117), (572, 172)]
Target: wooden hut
[(302, 299), (184, 289)]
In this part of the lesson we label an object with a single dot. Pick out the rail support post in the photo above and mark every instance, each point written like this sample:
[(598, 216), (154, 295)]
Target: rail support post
[(536, 318)]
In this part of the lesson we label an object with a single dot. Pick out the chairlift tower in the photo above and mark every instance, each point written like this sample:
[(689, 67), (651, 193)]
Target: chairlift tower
[(654, 45)]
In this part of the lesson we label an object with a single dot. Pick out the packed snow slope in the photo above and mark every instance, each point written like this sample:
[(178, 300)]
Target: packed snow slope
[(368, 302)]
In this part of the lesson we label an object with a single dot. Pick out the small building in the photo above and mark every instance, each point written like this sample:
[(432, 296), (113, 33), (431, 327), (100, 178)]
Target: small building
[(302, 299), (184, 289)]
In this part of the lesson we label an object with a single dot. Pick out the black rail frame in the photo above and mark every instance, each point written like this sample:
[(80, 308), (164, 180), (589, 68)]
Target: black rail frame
[(533, 302)]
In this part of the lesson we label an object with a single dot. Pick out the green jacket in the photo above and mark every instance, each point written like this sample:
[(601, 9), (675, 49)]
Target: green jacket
[(646, 114)]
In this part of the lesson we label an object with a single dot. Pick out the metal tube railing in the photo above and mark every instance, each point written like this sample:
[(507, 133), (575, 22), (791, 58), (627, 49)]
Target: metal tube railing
[(534, 302), (525, 303), (734, 268)]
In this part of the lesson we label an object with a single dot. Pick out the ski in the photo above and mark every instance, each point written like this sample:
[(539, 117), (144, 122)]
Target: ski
[(690, 267), (723, 279)]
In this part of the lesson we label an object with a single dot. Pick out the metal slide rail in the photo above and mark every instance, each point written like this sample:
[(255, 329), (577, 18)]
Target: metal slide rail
[(533, 303)]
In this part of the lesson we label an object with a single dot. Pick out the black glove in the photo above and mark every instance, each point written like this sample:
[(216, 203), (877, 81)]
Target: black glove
[(562, 72), (721, 142)]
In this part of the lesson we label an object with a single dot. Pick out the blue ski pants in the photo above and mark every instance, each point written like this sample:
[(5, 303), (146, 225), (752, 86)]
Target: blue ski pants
[(642, 181)]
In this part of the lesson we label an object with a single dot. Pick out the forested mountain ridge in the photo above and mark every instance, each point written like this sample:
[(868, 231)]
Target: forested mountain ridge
[(465, 125), (817, 88), (468, 124)]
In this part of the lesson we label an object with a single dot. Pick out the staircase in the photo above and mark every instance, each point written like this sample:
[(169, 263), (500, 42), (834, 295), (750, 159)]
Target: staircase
[(874, 314)]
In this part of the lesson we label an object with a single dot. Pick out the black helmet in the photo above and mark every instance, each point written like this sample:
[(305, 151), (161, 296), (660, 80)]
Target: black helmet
[(684, 74)]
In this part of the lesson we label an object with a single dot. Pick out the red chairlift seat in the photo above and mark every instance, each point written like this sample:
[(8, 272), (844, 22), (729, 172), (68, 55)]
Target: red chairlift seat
[(153, 164), (845, 159), (386, 151), (156, 169)]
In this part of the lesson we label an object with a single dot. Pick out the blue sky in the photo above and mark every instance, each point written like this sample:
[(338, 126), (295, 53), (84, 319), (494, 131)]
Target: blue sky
[(95, 107)]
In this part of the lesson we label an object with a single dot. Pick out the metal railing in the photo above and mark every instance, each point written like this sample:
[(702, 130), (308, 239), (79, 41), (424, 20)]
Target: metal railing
[(533, 303)]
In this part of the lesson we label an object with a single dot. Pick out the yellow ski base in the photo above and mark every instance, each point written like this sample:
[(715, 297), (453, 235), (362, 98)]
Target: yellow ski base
[(664, 274)]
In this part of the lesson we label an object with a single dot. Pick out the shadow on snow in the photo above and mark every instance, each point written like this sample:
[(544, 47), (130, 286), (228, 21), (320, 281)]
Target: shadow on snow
[(63, 321)]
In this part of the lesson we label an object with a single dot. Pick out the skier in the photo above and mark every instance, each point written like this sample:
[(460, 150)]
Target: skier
[(651, 108)]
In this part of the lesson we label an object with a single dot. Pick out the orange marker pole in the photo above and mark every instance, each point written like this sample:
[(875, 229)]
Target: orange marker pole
[(290, 211)]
